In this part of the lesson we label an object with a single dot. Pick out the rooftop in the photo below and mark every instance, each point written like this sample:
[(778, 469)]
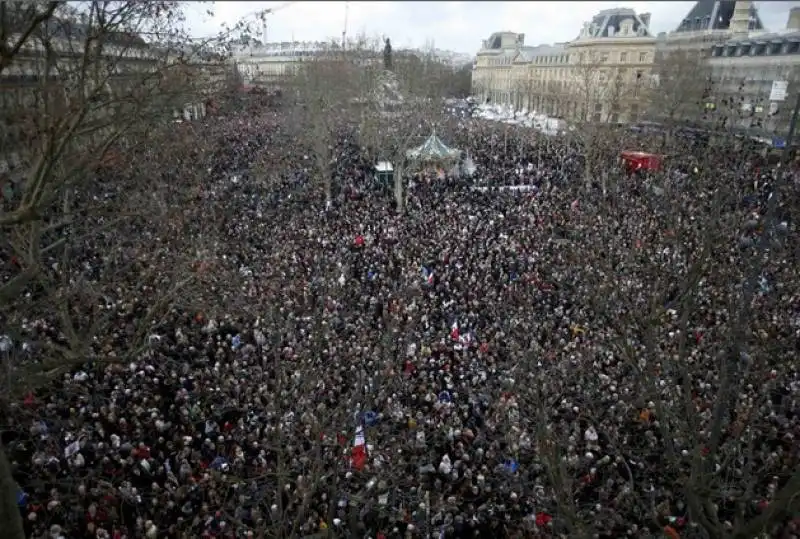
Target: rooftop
[(709, 15), (612, 23), (284, 48), (528, 54)]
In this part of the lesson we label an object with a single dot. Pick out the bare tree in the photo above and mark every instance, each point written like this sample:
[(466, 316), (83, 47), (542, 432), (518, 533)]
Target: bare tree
[(595, 96), (681, 84), (84, 209), (671, 307), (328, 91), (525, 88), (390, 124)]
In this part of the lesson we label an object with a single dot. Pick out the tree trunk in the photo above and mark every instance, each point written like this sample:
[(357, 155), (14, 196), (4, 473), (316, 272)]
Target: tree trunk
[(398, 188), (587, 171), (326, 181), (9, 512)]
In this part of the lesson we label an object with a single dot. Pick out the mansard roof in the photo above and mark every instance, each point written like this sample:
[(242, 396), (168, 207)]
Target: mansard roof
[(715, 15)]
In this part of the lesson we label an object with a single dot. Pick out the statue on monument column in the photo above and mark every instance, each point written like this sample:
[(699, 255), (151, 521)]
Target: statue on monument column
[(387, 55)]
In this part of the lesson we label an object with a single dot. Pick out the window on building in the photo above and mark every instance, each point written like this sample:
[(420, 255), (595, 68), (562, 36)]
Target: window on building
[(642, 57), (793, 47), (598, 107), (623, 57), (744, 50), (604, 57)]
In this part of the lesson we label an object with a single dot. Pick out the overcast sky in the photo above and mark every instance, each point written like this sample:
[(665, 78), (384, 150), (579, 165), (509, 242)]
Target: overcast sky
[(456, 26)]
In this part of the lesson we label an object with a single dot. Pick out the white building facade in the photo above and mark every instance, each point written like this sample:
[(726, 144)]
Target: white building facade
[(271, 63), (743, 73)]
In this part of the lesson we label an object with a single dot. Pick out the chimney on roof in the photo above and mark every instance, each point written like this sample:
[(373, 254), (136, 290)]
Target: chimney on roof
[(645, 19), (740, 21), (794, 19)]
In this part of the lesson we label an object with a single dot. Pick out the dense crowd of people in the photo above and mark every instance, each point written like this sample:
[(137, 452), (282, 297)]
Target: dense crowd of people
[(564, 361)]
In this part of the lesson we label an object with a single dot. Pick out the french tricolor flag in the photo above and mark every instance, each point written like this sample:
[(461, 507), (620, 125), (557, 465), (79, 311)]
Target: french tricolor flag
[(358, 455), (427, 275)]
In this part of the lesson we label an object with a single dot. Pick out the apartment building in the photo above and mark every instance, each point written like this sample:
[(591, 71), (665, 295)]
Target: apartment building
[(602, 75), (717, 70), (610, 67), (39, 82), (492, 73), (540, 78), (270, 63), (743, 72)]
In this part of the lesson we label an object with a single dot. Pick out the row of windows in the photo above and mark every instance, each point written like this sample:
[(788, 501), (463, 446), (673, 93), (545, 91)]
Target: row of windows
[(703, 23), (561, 74), (623, 57), (756, 73), (756, 49), (500, 61), (286, 54), (559, 59)]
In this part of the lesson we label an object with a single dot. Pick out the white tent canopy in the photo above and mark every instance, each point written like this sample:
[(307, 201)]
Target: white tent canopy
[(433, 149)]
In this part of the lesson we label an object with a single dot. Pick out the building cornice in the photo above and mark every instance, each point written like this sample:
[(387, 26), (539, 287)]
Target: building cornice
[(611, 42)]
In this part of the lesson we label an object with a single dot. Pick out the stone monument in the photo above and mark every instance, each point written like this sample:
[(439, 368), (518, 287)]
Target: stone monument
[(387, 55)]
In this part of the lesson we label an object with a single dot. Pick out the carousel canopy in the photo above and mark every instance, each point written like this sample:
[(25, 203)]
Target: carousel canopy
[(384, 166), (433, 149)]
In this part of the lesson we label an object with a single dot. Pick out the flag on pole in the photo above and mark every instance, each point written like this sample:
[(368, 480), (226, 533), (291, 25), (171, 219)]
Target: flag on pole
[(358, 455)]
